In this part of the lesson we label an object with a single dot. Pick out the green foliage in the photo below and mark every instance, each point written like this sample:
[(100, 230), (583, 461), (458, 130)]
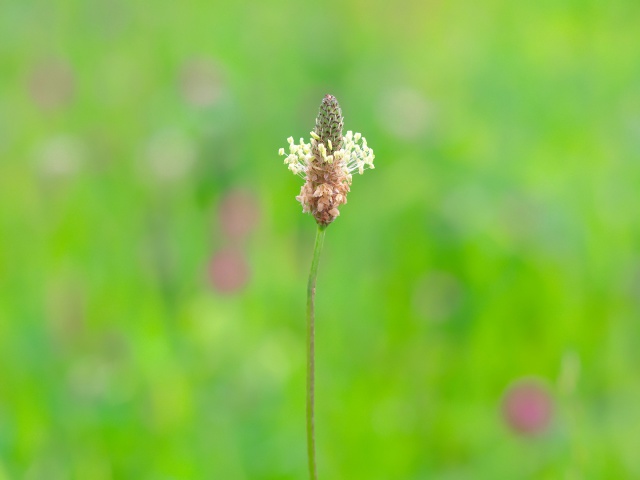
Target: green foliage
[(142, 337)]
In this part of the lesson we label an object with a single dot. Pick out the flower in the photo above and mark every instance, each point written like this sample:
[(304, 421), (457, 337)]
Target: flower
[(327, 162)]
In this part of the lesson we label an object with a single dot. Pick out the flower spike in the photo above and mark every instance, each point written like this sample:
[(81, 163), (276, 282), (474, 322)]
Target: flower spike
[(327, 163)]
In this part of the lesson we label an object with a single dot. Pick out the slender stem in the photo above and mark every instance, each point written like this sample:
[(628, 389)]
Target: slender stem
[(311, 361)]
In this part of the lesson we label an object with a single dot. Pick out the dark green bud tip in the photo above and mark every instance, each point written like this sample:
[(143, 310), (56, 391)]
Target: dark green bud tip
[(330, 122)]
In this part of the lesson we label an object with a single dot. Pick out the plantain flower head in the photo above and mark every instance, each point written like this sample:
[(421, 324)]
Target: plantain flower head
[(327, 162)]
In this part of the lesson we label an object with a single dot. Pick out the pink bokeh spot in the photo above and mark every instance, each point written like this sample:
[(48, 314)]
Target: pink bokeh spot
[(201, 82), (527, 407), (238, 212), (51, 84), (228, 271)]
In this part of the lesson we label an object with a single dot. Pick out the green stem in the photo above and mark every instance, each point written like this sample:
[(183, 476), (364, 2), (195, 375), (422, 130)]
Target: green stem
[(311, 334)]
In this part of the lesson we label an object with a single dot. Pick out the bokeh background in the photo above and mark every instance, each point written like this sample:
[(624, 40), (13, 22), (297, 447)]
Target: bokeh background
[(478, 299)]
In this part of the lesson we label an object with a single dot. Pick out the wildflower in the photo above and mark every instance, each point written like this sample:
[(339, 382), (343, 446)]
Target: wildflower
[(327, 163)]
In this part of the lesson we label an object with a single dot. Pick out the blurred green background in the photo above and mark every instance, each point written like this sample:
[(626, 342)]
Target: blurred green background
[(153, 259)]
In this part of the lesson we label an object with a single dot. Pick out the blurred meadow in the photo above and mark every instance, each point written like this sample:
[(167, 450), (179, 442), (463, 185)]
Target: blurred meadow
[(478, 299)]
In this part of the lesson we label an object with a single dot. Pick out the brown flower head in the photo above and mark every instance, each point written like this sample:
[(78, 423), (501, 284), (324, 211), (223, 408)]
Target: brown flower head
[(327, 163)]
